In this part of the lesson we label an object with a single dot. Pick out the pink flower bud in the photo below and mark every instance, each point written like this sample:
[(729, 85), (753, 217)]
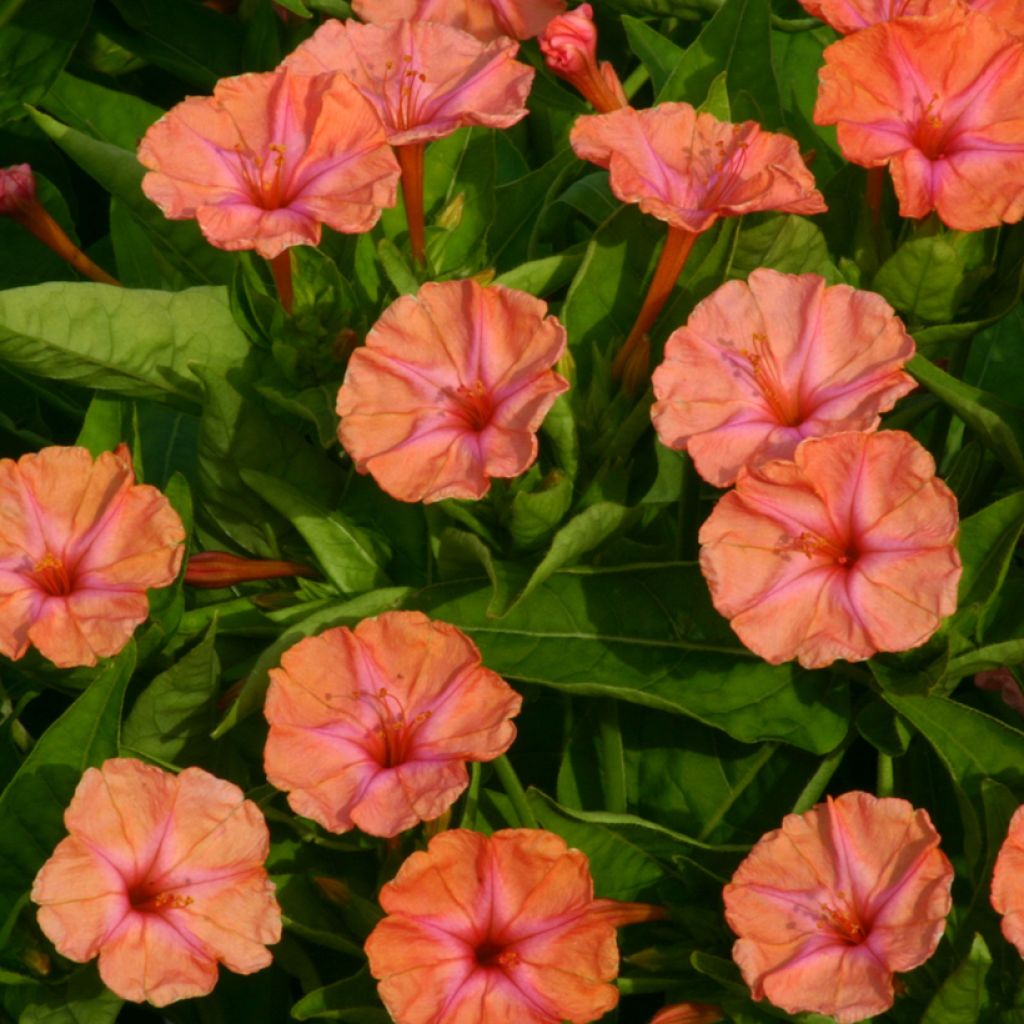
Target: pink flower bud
[(17, 188), (569, 43)]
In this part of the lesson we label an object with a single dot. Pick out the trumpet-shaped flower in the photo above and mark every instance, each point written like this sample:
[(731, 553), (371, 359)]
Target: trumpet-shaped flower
[(162, 877), (371, 727), (845, 551), (829, 906), (80, 543), (938, 100), (485, 19), (761, 364), (569, 45), (501, 928), (1008, 882), (450, 389), (689, 168), (269, 158), (424, 79), (17, 188)]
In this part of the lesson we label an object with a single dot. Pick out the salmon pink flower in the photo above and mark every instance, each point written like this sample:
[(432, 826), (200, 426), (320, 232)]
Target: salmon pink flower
[(450, 389), (485, 19), (569, 45), (689, 169), (847, 16), (845, 551), (1008, 882), (162, 877), (80, 543), (371, 728), (269, 158), (938, 100), (761, 364), (828, 907), (501, 928), (426, 81)]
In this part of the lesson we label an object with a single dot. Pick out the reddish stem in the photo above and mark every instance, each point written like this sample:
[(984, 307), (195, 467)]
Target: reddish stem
[(595, 90), (631, 363), (410, 158), (35, 218), (281, 268)]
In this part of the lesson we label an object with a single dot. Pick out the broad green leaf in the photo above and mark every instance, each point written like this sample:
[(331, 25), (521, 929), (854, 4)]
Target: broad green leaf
[(591, 196), (784, 242), (32, 805), (397, 268), (107, 115), (103, 428), (987, 542), (347, 553), (883, 729), (659, 55), (141, 262), (998, 655), (34, 47), (738, 41), (353, 1000), (647, 635), (584, 532), (535, 514), (544, 276), (177, 707), (83, 999), (962, 998), (998, 423), (622, 868), (138, 343), (342, 613), (973, 746), (922, 279), (118, 171)]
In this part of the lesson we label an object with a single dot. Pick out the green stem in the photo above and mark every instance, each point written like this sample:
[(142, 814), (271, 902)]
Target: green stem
[(613, 757), (811, 793), (468, 819), (886, 783), (514, 791)]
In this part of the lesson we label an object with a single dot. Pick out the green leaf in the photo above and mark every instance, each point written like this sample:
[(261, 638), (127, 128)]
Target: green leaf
[(177, 707), (118, 118), (591, 196), (544, 276), (961, 998), (784, 242), (347, 553), (659, 55), (32, 805), (118, 171), (738, 41), (584, 532), (342, 613), (998, 423), (138, 343), (922, 279), (84, 999), (973, 746), (397, 268), (647, 635), (103, 428), (34, 47), (535, 514), (353, 1000), (987, 542)]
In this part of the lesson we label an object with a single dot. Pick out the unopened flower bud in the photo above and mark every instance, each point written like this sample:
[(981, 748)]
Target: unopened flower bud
[(569, 45), (689, 1013), (213, 569), (17, 188)]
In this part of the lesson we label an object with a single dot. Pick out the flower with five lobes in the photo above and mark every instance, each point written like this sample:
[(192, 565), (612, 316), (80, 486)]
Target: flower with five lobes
[(829, 906), (485, 19), (938, 100), (500, 929), (269, 158), (688, 169), (450, 389), (371, 728), (80, 544), (847, 16), (162, 877), (763, 363), (848, 550)]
